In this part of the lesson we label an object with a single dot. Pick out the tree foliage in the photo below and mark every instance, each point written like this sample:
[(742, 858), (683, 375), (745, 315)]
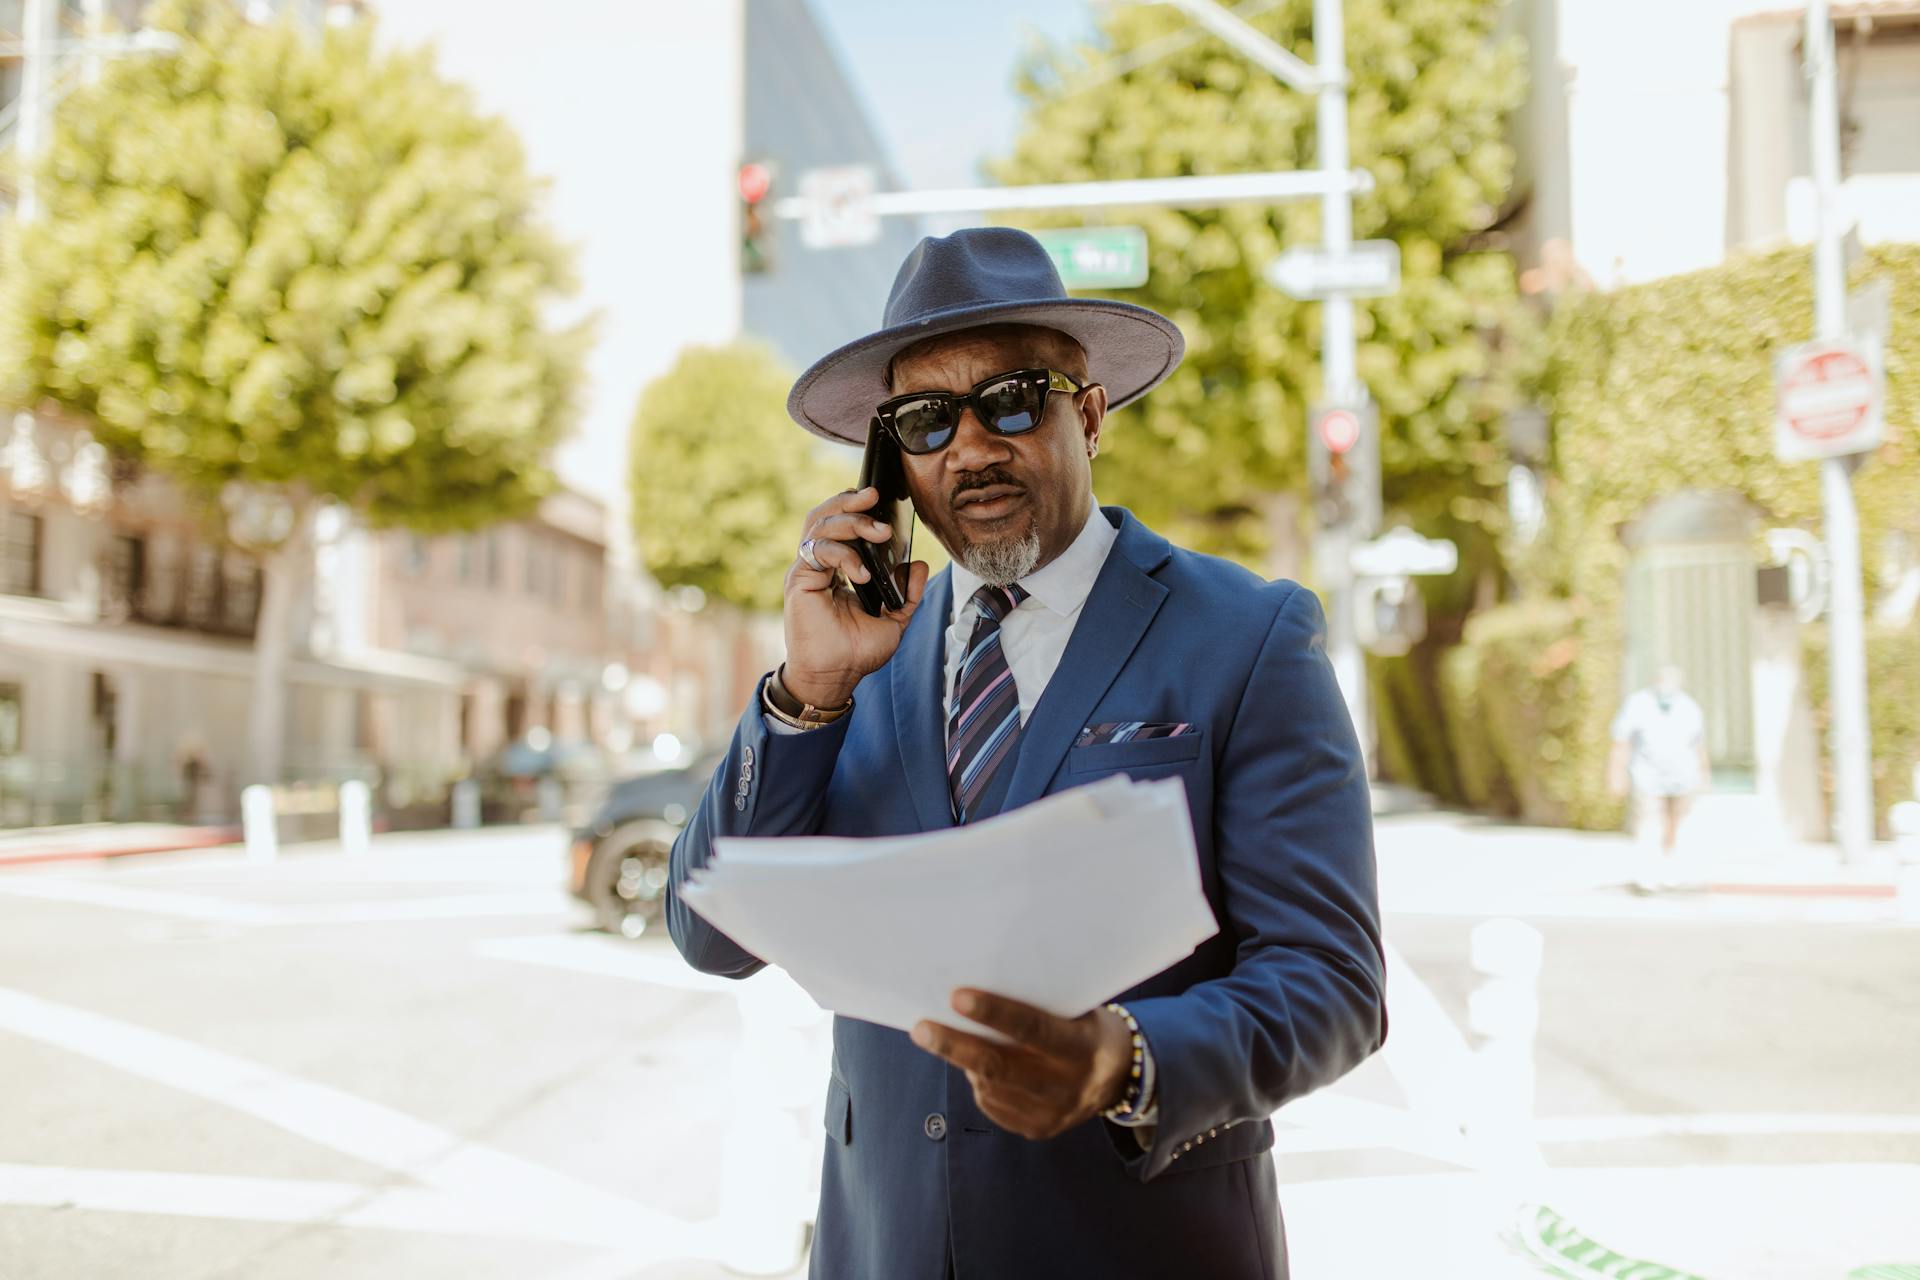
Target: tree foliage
[(1432, 86), (722, 477), (293, 261)]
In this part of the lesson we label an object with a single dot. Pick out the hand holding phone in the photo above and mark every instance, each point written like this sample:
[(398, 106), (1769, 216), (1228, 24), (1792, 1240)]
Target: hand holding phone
[(861, 538)]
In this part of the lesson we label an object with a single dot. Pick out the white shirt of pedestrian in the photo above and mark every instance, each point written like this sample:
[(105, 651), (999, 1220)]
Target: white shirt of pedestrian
[(1664, 733), (1034, 636)]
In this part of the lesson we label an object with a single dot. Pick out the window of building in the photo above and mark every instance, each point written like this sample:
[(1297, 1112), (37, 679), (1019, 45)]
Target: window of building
[(202, 603), (159, 599), (13, 719), (417, 555), (466, 554), (19, 553), (122, 577), (239, 594), (538, 569), (590, 586)]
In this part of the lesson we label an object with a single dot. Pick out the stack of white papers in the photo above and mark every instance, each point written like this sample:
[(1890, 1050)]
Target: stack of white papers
[(1062, 904)]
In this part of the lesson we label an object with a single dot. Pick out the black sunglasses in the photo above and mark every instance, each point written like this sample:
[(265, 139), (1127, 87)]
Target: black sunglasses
[(1007, 404)]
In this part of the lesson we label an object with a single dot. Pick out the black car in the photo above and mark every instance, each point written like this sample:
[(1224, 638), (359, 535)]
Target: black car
[(619, 859)]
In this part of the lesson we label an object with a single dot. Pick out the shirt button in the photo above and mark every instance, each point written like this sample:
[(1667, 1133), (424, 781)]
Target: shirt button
[(746, 755), (935, 1127)]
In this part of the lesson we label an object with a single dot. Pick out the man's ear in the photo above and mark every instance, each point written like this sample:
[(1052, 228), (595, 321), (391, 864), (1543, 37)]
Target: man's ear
[(1093, 415)]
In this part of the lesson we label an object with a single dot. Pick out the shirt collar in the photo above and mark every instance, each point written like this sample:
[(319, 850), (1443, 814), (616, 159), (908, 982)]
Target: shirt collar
[(1061, 585)]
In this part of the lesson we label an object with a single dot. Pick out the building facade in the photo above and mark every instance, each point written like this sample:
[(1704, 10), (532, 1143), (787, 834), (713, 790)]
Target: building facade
[(1658, 138)]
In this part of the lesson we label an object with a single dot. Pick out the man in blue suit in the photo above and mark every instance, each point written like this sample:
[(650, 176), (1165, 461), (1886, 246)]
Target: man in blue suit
[(1068, 642)]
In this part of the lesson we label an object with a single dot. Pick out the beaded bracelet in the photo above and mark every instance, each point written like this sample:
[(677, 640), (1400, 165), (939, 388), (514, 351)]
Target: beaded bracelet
[(1130, 1101)]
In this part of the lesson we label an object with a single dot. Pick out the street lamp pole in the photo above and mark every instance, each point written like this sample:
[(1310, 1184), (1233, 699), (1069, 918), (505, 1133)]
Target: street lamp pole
[(1846, 630)]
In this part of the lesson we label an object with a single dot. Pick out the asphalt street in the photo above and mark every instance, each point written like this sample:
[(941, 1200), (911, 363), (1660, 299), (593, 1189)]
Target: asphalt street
[(416, 1063)]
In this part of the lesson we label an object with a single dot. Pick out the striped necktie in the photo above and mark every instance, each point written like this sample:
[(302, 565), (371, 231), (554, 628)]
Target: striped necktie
[(983, 718)]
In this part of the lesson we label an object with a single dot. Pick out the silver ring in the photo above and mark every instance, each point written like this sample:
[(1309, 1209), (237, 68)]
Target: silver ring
[(806, 557)]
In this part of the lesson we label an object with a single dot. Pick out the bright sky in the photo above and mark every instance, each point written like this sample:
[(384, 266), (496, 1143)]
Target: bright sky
[(937, 75)]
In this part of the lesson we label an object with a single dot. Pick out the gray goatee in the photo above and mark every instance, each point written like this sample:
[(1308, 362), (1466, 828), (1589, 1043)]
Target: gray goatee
[(1005, 561)]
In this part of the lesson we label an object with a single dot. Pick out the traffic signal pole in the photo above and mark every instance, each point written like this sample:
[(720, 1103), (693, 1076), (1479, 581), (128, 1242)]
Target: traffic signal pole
[(1846, 631), (1339, 377)]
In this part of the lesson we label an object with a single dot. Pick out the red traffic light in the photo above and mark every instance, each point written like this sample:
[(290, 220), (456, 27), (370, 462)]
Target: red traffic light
[(1339, 430), (755, 181)]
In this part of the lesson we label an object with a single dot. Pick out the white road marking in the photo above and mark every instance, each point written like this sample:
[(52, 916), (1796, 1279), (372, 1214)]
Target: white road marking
[(1628, 1128), (518, 1193), (215, 910), (606, 956)]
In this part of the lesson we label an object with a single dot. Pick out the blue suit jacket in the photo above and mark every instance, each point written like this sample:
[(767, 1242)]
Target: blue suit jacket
[(1287, 997)]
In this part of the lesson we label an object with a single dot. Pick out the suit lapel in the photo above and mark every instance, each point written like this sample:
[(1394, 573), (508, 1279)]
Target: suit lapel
[(918, 677), (1118, 611)]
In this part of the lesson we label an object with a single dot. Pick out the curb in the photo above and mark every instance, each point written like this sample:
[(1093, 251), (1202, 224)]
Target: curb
[(208, 838), (1764, 889)]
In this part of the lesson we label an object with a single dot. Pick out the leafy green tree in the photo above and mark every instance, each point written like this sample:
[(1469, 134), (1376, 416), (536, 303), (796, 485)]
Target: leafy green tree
[(722, 477), (1432, 87), (292, 266)]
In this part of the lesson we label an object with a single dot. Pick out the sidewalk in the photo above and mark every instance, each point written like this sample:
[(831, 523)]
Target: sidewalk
[(90, 841), (1442, 861)]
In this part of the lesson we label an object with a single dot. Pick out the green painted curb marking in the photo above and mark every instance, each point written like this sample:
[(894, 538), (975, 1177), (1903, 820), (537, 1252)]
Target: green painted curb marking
[(1562, 1249)]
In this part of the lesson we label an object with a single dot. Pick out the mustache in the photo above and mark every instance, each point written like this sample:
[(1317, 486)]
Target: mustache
[(972, 480)]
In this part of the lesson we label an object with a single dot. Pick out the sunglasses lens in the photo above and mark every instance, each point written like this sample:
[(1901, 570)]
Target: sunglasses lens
[(1013, 405), (924, 425)]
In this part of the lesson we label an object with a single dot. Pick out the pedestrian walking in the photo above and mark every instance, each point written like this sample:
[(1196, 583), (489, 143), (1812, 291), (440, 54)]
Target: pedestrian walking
[(1660, 757), (1065, 643)]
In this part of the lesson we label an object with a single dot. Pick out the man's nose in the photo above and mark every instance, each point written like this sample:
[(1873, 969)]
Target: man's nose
[(974, 448)]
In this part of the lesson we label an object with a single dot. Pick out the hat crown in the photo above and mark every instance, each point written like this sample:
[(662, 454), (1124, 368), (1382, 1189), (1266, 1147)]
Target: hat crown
[(971, 267)]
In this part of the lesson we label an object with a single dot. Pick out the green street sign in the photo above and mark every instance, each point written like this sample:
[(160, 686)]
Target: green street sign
[(1098, 257)]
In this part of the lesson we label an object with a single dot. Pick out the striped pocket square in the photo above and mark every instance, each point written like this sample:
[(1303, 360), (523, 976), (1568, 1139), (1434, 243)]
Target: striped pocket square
[(1130, 731)]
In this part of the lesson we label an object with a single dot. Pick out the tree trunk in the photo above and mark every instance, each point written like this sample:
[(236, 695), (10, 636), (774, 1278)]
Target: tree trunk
[(282, 570)]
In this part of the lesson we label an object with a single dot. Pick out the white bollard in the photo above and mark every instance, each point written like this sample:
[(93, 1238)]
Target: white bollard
[(774, 1134), (356, 818), (257, 823), (1505, 1011), (466, 804)]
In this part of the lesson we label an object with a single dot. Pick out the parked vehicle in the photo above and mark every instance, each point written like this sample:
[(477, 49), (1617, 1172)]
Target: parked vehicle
[(619, 859)]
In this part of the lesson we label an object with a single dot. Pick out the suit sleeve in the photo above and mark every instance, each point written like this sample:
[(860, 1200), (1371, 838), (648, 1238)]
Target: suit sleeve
[(1293, 833), (767, 785)]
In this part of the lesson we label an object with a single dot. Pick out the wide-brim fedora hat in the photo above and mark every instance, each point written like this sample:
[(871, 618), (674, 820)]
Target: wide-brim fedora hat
[(974, 277)]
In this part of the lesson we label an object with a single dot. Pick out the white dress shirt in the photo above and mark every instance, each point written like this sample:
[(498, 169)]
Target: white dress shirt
[(1034, 635)]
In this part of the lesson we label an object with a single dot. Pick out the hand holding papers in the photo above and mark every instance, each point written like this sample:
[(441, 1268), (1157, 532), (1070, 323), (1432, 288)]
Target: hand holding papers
[(1061, 904)]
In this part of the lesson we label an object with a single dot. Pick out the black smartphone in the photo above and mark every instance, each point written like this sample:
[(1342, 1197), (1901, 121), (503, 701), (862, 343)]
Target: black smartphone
[(886, 562)]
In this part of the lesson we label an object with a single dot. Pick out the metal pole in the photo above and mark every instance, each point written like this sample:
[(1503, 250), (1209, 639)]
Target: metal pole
[(1846, 631), (1340, 380), (35, 62)]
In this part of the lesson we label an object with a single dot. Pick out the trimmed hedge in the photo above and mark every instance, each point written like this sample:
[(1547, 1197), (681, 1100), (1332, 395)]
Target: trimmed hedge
[(1520, 697), (1893, 711)]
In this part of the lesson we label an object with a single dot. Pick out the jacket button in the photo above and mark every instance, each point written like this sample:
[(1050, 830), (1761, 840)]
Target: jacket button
[(935, 1127)]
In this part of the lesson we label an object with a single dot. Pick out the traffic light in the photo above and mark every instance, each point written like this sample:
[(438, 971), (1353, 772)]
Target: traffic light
[(1343, 464), (756, 220)]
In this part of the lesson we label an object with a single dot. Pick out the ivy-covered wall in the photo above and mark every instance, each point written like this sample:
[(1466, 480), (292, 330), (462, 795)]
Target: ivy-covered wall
[(1655, 388)]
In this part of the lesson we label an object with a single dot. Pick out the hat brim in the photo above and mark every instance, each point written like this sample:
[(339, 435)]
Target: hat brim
[(1130, 351)]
